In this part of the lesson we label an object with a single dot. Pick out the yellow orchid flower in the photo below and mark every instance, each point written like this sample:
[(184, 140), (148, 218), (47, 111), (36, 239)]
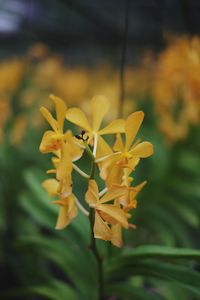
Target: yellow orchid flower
[(100, 106), (68, 153), (128, 198), (109, 209), (62, 185), (68, 209), (51, 186), (63, 161), (116, 235), (128, 202), (75, 149), (126, 155), (106, 215), (51, 140), (132, 152)]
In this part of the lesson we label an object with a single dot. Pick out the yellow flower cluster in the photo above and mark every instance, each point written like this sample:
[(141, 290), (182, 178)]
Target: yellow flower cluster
[(111, 206), (11, 72), (176, 89)]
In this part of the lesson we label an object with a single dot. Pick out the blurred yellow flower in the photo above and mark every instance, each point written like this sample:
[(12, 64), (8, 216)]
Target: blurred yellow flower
[(19, 129), (5, 113), (73, 84), (176, 89), (11, 73)]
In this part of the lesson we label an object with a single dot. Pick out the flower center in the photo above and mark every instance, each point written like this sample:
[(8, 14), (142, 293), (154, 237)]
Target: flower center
[(83, 136)]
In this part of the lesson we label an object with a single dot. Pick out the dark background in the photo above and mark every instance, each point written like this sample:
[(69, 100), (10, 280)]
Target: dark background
[(87, 29)]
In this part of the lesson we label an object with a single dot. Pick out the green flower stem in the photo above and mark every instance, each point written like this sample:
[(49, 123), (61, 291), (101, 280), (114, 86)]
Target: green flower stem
[(99, 259), (83, 174), (93, 245)]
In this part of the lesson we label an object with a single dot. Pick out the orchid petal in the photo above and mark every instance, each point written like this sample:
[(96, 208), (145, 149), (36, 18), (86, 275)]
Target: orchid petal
[(118, 146), (51, 141), (63, 218), (142, 150), (65, 188), (132, 126), (114, 175), (77, 116), (116, 239), (101, 229), (132, 163), (61, 109), (75, 150), (113, 212), (51, 186), (116, 126), (48, 116), (67, 213), (106, 165), (100, 107), (64, 167), (103, 148), (136, 189), (111, 194), (92, 194)]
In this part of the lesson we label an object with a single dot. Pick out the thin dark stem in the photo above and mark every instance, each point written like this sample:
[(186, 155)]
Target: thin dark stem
[(93, 245), (123, 60), (99, 259)]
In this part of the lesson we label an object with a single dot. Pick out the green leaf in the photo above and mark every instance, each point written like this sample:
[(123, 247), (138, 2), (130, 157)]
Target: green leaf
[(185, 211), (189, 161), (55, 290), (129, 292), (164, 235), (162, 215), (78, 265), (183, 276), (161, 252), (170, 290)]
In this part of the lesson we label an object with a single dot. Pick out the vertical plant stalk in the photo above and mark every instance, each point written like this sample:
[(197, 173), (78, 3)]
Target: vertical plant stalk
[(123, 60), (99, 259), (93, 245)]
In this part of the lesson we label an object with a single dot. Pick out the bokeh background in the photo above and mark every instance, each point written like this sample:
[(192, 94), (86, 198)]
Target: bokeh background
[(73, 49)]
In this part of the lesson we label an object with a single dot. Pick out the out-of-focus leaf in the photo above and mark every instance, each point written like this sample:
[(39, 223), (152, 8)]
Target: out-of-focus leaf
[(55, 290), (159, 215), (164, 235), (68, 258), (187, 212), (183, 276), (170, 290), (127, 291), (187, 188), (189, 161), (161, 252)]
